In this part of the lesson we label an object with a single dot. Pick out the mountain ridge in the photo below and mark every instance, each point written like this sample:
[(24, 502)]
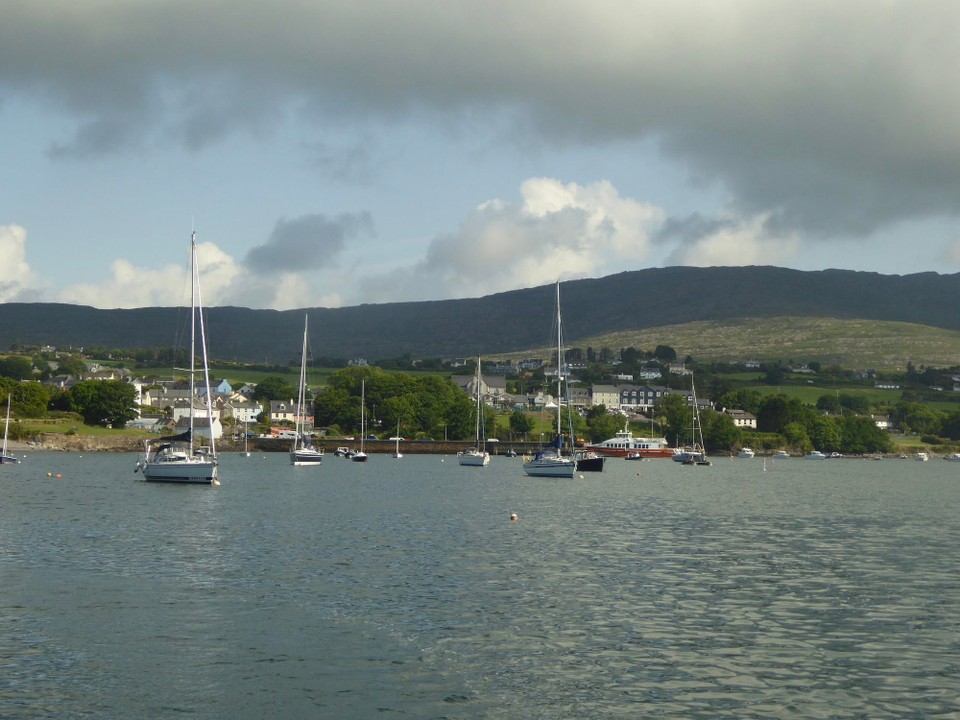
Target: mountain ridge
[(506, 322)]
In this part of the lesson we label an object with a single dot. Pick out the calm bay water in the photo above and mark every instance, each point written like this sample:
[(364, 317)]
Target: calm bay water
[(401, 588)]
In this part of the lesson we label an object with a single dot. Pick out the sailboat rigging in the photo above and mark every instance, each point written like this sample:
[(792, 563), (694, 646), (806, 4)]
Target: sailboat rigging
[(178, 458), (4, 458), (360, 455), (552, 463), (303, 452), (476, 456), (396, 451), (695, 454)]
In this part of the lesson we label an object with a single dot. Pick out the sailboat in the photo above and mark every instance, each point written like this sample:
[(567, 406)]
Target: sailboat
[(303, 451), (4, 458), (695, 454), (360, 455), (476, 456), (552, 463), (177, 458), (396, 452)]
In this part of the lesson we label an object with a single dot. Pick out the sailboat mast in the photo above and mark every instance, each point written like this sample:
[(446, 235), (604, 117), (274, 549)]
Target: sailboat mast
[(6, 426), (476, 391), (302, 394), (559, 363), (193, 330), (203, 346)]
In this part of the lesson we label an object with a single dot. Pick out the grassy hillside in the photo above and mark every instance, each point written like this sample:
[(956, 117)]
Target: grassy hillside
[(643, 302), (882, 345)]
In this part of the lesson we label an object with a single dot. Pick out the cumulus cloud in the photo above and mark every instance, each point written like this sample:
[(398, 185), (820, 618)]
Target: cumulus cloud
[(728, 240), (16, 277), (169, 285), (556, 231), (308, 242)]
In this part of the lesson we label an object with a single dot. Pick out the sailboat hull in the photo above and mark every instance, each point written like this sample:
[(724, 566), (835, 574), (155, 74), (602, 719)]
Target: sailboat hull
[(8, 460), (473, 458), (306, 456), (191, 472), (549, 466)]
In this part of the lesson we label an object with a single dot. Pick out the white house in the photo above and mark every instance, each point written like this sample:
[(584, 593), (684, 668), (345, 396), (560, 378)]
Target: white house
[(741, 418), (285, 411), (244, 412)]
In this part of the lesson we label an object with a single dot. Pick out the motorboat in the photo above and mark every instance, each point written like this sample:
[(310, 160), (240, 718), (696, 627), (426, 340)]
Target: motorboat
[(624, 444), (746, 453), (589, 461), (814, 455)]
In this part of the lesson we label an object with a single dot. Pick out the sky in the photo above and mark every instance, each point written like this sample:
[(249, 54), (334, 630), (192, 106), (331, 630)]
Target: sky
[(330, 154)]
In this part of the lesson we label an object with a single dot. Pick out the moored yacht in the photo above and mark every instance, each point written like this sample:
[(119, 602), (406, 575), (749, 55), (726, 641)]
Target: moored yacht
[(624, 443)]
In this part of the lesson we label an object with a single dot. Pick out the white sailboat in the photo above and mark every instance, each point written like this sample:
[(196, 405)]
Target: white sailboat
[(303, 451), (4, 458), (476, 456), (360, 455), (695, 454), (178, 458), (552, 463), (396, 451)]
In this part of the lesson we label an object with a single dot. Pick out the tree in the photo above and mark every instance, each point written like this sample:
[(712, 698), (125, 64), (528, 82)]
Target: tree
[(774, 375), (675, 416), (27, 399), (71, 366), (776, 411), (917, 417), (828, 404), (16, 367), (665, 353), (855, 403), (861, 435), (747, 400), (601, 425), (274, 387), (950, 427), (825, 434), (104, 402), (720, 432), (520, 423), (32, 399), (796, 436)]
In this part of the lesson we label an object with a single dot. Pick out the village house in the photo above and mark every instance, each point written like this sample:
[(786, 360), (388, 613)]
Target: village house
[(606, 395), (741, 418), (243, 412), (285, 411)]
